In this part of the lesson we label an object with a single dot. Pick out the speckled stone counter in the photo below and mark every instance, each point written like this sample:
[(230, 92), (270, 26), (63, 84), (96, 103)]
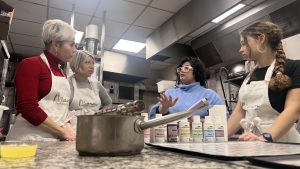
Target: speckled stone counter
[(64, 155)]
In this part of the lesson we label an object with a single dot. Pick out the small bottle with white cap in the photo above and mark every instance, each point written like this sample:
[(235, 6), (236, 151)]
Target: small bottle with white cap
[(184, 131), (197, 134)]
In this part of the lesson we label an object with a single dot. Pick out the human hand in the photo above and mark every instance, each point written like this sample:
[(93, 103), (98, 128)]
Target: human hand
[(166, 102), (68, 134), (248, 136)]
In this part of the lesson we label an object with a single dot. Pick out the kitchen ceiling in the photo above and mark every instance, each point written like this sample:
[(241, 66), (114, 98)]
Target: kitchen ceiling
[(128, 19), (133, 20)]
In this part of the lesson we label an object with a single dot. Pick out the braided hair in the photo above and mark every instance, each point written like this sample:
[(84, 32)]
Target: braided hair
[(273, 36), (198, 69)]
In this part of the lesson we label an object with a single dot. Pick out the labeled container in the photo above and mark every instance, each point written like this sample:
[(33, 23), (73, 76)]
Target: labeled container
[(184, 131), (209, 130), (146, 131), (159, 132), (172, 132), (197, 130), (219, 129)]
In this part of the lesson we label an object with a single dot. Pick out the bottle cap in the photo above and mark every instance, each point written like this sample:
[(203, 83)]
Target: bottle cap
[(184, 120), (208, 119), (146, 118), (158, 115), (196, 119)]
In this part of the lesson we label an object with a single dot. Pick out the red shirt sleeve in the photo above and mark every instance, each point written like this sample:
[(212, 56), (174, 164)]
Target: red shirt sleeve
[(33, 82), (27, 85)]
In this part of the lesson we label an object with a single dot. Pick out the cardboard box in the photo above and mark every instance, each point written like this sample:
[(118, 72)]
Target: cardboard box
[(165, 85)]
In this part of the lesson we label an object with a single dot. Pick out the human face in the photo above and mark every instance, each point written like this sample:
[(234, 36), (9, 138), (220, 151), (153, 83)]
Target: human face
[(66, 50), (248, 48), (185, 73), (87, 67)]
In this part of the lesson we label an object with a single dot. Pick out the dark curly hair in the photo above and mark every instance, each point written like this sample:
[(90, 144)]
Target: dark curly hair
[(198, 70), (273, 36)]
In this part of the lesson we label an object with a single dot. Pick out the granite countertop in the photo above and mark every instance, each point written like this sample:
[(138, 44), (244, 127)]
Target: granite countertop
[(64, 155)]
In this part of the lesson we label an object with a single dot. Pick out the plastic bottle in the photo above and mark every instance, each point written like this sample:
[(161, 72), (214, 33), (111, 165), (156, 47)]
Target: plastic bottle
[(184, 131), (209, 130), (159, 132), (219, 129), (172, 132), (146, 131), (197, 133)]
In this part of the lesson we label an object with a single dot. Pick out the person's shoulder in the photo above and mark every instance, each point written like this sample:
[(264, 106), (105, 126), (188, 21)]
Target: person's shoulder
[(169, 91), (292, 65), (209, 90), (33, 62)]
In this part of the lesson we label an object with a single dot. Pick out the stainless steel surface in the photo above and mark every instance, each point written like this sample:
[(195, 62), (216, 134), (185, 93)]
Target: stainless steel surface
[(171, 117), (117, 93), (4, 72), (92, 45), (226, 37), (108, 135), (191, 17), (118, 134), (102, 39), (122, 65)]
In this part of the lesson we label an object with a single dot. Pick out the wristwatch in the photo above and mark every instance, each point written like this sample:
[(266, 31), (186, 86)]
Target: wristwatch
[(267, 137)]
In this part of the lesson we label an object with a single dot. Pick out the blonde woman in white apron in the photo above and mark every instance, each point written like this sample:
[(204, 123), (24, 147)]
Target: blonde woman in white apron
[(87, 95), (43, 91), (270, 93)]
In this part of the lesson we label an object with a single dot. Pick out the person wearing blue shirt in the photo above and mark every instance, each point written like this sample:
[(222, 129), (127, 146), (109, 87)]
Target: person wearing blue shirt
[(191, 80)]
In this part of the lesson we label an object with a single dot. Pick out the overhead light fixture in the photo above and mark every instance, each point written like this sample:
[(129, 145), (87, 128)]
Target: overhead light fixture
[(228, 13), (78, 36), (129, 46)]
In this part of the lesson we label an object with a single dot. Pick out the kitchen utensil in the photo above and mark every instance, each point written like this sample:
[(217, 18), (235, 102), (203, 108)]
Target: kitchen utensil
[(120, 134)]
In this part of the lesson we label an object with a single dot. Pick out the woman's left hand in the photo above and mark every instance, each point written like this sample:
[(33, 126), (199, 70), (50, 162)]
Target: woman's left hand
[(250, 137)]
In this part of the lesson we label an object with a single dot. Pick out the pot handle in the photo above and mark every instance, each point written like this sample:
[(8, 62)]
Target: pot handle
[(201, 106)]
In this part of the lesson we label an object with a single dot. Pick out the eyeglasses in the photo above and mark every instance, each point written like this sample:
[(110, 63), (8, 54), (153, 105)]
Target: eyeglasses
[(184, 69)]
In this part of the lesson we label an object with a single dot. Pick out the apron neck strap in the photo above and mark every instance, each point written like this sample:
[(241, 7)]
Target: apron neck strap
[(270, 71)]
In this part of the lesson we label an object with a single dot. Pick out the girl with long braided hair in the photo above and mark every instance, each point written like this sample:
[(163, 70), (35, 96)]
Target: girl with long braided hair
[(269, 96)]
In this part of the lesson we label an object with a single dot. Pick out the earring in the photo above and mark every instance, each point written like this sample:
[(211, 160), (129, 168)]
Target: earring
[(260, 50)]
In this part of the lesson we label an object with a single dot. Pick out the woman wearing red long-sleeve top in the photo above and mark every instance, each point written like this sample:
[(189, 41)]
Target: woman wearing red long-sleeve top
[(42, 88)]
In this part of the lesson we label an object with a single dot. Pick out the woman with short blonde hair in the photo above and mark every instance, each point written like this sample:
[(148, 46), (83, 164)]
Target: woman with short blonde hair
[(42, 88)]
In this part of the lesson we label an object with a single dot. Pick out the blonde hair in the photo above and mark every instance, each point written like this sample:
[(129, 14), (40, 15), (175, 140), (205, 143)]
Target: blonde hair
[(57, 30), (273, 35), (78, 59)]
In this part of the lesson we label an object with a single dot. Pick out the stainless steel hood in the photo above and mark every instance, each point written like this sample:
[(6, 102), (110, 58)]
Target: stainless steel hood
[(190, 18), (220, 46), (124, 68)]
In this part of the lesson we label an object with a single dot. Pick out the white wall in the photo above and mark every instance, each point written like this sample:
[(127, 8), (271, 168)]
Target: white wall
[(291, 47)]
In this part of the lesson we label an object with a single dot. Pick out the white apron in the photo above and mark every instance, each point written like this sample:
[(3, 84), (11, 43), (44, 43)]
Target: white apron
[(55, 104), (255, 100), (85, 101)]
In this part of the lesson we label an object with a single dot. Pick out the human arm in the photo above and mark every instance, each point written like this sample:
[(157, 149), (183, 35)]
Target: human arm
[(288, 117), (104, 96), (233, 123), (33, 82), (284, 121), (27, 85), (65, 134)]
